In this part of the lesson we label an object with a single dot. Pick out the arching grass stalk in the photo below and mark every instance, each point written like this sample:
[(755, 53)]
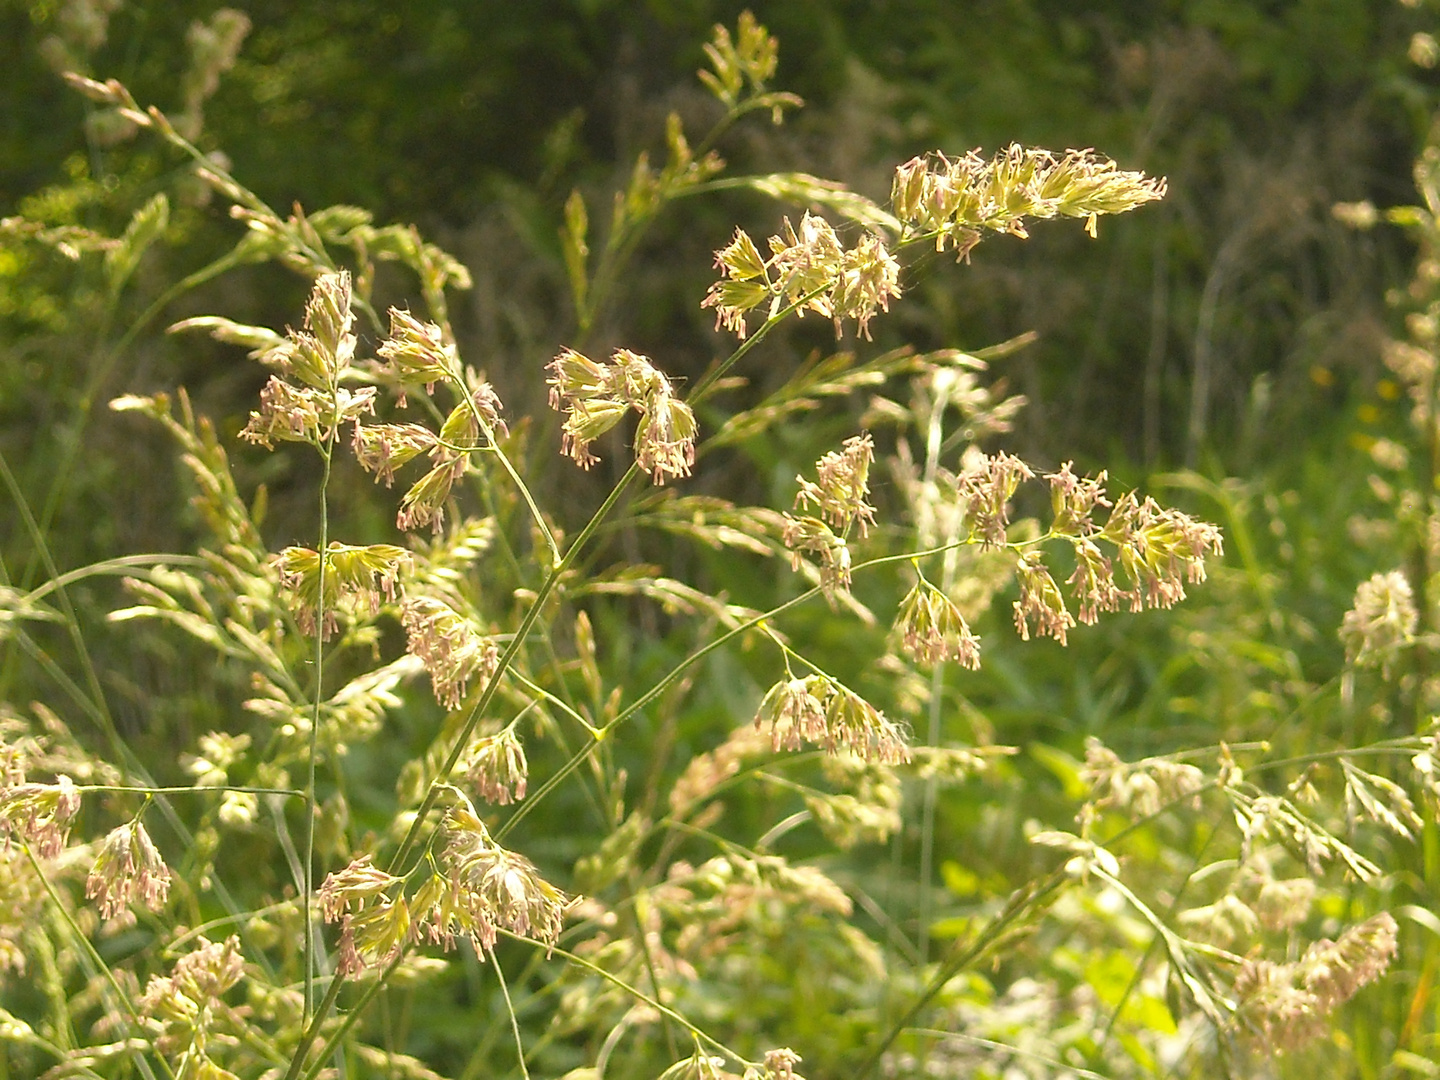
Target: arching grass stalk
[(690, 661), (109, 568), (510, 1009)]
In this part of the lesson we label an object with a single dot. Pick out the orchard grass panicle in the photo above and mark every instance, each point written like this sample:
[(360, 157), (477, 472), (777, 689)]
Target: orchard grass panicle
[(595, 397), (39, 814), (933, 630), (1381, 623), (128, 868), (449, 646), (496, 768)]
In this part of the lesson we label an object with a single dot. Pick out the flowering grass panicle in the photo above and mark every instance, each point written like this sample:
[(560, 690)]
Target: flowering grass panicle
[(496, 768), (1140, 789), (932, 629), (595, 397), (424, 504), (383, 448), (842, 485), (820, 711), (746, 59), (127, 868), (449, 646), (1381, 622), (312, 405), (417, 353), (780, 1064), (1160, 550), (1040, 600), (38, 814), (489, 888), (986, 487), (953, 199), (810, 269), (353, 887), (373, 936), (354, 578), (839, 493), (374, 926), (1073, 500), (809, 535), (1287, 1005), (195, 1025)]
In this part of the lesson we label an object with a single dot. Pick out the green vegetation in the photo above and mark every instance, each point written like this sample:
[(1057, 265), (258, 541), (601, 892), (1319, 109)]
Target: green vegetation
[(742, 678)]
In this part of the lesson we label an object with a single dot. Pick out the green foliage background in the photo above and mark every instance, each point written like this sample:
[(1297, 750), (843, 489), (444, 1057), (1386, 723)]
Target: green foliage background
[(1233, 329)]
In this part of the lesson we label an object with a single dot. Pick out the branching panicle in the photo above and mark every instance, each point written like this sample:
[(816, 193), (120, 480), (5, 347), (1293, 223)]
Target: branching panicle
[(38, 814), (986, 487), (932, 629), (128, 868), (451, 649), (809, 267), (496, 767), (953, 199), (596, 397), (842, 484), (822, 712), (355, 578), (487, 888)]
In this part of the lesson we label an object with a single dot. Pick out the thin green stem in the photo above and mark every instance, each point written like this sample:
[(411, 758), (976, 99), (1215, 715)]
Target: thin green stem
[(510, 1008), (1062, 1068), (462, 740), (307, 872), (540, 691), (636, 993), (1020, 903), (506, 464), (130, 789), (679, 670), (642, 942), (506, 659), (297, 1062), (72, 622)]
